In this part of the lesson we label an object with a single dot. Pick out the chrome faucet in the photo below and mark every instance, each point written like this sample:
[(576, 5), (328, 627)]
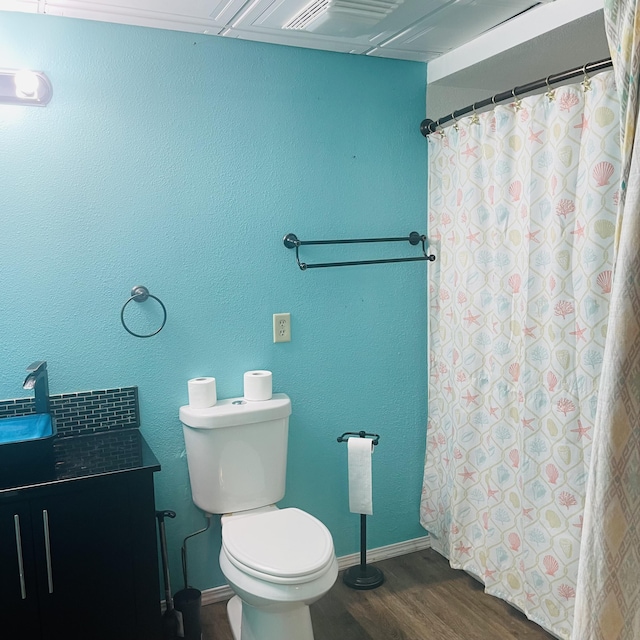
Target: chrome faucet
[(38, 380)]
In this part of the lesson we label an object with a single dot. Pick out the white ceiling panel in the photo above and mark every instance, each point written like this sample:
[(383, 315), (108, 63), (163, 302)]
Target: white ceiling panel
[(405, 29), (138, 12), (294, 39), (451, 27)]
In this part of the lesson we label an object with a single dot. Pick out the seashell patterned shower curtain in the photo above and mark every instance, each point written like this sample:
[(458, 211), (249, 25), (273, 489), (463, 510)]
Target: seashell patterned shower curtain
[(522, 214)]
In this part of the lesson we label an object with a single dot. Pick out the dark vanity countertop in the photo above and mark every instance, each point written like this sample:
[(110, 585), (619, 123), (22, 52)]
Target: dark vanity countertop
[(111, 452)]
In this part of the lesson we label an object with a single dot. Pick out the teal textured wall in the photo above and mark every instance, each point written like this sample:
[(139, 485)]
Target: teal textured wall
[(179, 162)]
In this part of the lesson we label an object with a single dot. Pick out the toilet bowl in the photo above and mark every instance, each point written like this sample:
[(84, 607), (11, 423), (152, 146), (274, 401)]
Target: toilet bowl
[(278, 562)]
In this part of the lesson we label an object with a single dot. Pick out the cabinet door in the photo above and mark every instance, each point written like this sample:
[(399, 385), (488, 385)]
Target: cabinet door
[(18, 588), (84, 560)]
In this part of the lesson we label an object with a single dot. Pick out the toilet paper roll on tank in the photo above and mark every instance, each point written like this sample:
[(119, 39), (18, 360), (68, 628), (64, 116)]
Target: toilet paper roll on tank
[(202, 392), (258, 386)]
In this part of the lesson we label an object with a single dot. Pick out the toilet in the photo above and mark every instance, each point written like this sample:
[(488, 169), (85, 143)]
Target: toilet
[(277, 561)]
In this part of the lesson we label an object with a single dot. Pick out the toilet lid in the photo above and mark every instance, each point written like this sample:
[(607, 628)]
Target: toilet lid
[(284, 543)]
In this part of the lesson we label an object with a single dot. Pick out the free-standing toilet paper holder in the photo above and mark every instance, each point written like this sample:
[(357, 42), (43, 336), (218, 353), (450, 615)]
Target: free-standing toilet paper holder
[(363, 575)]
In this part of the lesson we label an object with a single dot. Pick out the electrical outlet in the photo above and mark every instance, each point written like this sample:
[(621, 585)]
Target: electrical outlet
[(282, 327)]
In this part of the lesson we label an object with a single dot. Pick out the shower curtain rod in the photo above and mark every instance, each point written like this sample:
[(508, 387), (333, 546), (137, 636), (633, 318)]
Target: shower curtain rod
[(428, 126)]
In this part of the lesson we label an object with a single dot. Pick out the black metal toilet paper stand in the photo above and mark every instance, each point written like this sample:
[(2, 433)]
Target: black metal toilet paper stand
[(363, 575)]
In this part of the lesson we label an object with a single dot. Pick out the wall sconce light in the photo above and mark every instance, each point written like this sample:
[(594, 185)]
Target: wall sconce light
[(25, 87)]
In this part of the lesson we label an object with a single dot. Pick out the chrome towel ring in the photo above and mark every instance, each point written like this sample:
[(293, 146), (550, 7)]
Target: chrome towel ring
[(140, 294)]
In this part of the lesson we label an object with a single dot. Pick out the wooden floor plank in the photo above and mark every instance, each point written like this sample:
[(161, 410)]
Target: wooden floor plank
[(422, 599)]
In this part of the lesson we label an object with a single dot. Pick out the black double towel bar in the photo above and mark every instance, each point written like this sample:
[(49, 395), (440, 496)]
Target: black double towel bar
[(414, 238)]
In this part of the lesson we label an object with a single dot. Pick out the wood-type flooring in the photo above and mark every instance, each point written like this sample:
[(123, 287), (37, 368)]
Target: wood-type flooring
[(422, 599)]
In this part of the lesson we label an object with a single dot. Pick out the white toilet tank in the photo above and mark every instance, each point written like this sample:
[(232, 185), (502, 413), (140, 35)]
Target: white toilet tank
[(237, 453)]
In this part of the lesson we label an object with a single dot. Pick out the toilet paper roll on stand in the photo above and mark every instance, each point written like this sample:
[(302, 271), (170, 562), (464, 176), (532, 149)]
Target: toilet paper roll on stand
[(258, 385), (202, 392), (359, 452)]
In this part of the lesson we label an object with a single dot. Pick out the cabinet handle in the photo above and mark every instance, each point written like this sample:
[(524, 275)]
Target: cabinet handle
[(47, 548), (23, 587)]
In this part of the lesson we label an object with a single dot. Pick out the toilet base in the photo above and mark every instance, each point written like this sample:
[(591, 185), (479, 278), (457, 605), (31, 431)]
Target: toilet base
[(250, 623)]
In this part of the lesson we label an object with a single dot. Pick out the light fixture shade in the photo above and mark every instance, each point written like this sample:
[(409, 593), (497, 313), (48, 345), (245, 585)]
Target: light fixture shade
[(24, 87)]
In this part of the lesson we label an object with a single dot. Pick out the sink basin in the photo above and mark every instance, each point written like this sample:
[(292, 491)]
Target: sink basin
[(26, 449), (21, 428)]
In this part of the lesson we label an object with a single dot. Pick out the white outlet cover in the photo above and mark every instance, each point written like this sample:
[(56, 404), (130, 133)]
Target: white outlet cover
[(282, 327)]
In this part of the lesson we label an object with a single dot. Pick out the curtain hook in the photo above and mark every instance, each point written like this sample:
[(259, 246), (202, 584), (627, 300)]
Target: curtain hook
[(439, 129), (456, 126), (586, 83), (474, 118), (551, 93), (517, 103)]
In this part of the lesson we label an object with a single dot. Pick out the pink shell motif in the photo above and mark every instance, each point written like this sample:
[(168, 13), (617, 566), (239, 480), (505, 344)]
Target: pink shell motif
[(514, 370), (492, 191), (567, 499), (554, 184), (552, 283), (459, 197), (551, 565), (552, 381), (604, 281), (566, 591), (485, 519), (515, 281), (552, 473), (602, 172), (514, 541), (515, 190), (514, 456)]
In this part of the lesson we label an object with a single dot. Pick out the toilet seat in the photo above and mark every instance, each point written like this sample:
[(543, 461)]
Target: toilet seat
[(283, 546)]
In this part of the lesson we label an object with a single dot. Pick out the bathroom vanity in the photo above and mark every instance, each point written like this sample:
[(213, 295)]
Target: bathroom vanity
[(78, 553)]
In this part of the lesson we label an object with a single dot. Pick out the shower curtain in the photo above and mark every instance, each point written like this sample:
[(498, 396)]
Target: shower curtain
[(608, 592), (522, 212)]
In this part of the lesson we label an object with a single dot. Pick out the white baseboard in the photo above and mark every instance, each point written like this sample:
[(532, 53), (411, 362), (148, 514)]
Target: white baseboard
[(224, 592), (217, 594)]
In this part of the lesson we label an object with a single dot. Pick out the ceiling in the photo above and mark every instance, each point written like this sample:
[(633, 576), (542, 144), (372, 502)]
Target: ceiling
[(405, 29)]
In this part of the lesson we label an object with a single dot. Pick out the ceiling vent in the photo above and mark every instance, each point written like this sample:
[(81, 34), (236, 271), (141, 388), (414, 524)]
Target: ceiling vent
[(347, 18)]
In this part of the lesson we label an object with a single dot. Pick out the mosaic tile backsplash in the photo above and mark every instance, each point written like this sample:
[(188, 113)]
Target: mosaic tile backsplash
[(85, 412)]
